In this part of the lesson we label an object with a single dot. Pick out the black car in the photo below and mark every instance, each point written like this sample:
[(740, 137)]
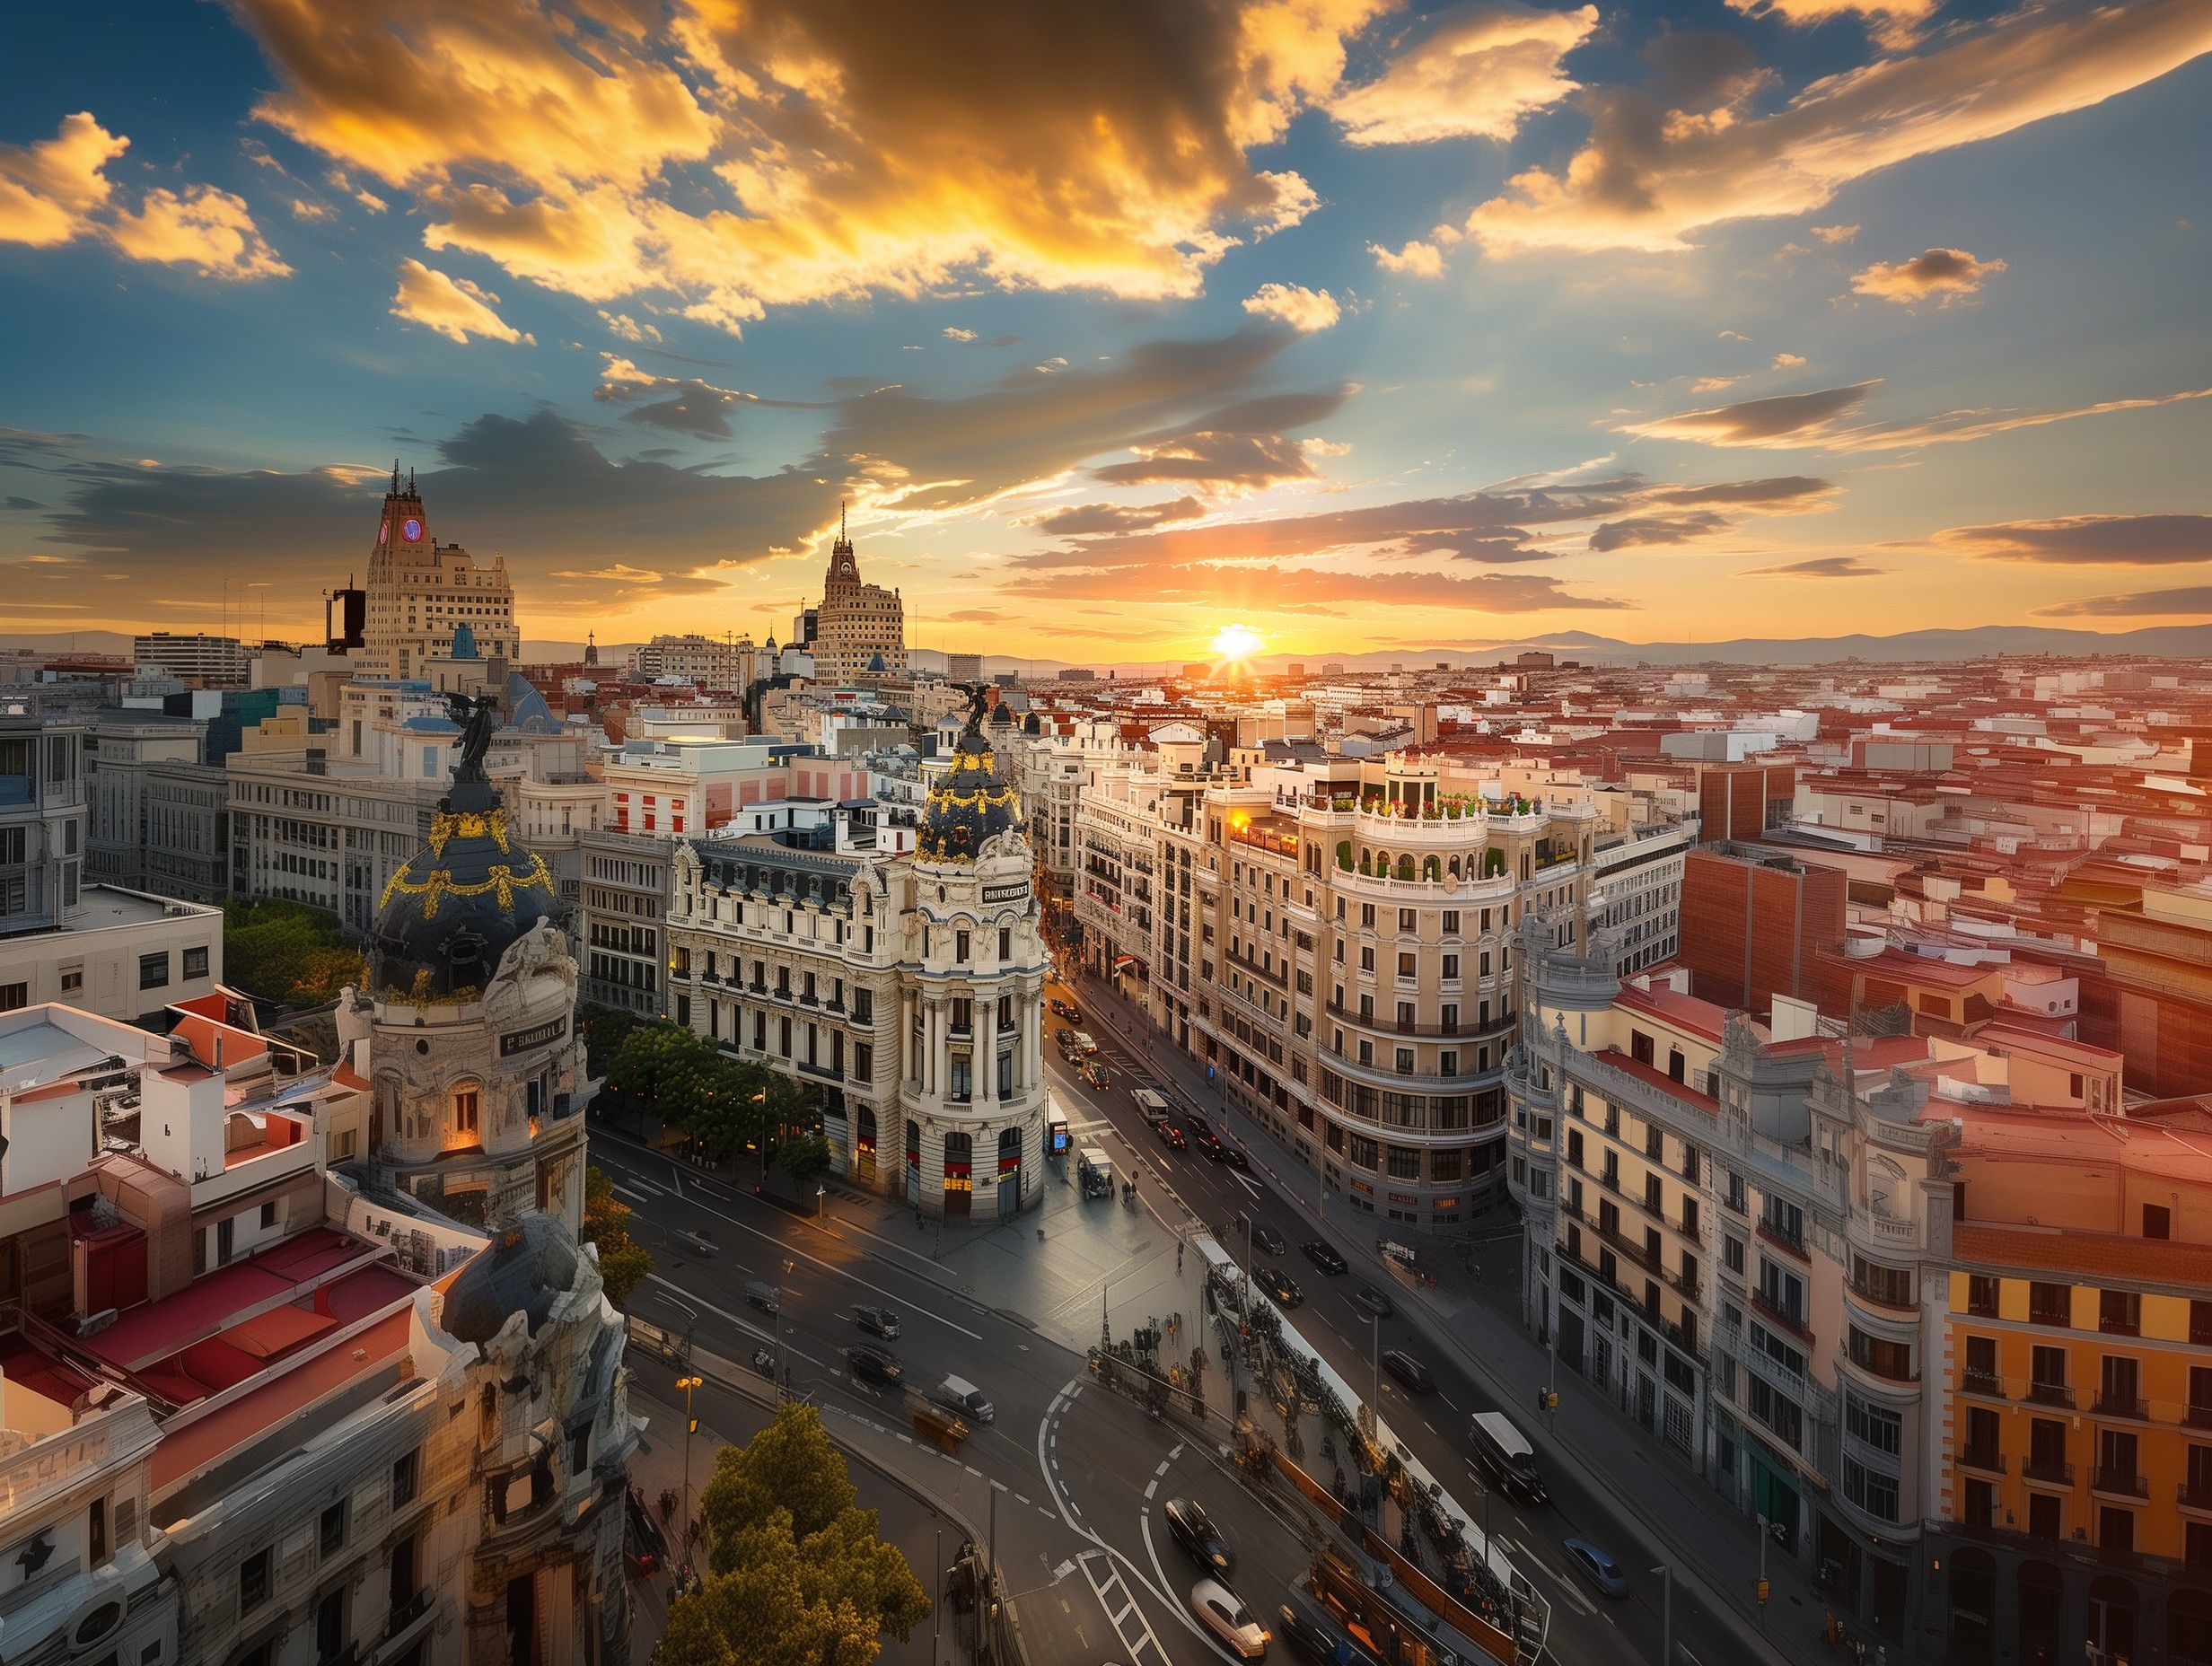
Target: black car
[(1311, 1640), (1202, 1132), (1373, 1301), (1194, 1530), (1266, 1240), (878, 1320), (1408, 1371), (1277, 1284), (1324, 1257), (1221, 1151), (874, 1365)]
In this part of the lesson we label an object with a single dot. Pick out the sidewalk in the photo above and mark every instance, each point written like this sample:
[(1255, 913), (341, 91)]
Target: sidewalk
[(1716, 1549)]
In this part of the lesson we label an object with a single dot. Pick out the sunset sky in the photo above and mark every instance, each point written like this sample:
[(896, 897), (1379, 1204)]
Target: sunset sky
[(1364, 326)]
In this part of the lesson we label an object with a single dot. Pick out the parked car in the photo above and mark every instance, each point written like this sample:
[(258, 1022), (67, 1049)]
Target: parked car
[(1277, 1284), (1172, 1136), (1325, 1257), (1375, 1300), (1408, 1371), (701, 1244), (872, 1364), (1222, 1612), (1189, 1526), (1594, 1565), (1266, 1240), (877, 1321)]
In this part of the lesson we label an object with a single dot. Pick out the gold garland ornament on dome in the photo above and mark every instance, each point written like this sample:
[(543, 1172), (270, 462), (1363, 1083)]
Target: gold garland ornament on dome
[(449, 825), (441, 884)]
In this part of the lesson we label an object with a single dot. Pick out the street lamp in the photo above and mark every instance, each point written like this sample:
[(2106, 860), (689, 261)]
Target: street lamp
[(1765, 1528), (1666, 1615), (690, 1428)]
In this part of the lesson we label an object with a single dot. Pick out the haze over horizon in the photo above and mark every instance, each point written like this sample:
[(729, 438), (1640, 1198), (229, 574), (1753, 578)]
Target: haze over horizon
[(1371, 329)]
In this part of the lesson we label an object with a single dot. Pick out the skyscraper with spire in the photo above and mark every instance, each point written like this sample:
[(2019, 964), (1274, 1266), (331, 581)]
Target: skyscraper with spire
[(420, 591), (860, 628)]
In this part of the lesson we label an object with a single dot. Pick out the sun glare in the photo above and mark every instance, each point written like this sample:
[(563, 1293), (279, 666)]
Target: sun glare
[(1236, 642)]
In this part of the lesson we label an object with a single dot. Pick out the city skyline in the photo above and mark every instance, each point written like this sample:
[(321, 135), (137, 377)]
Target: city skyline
[(1369, 330)]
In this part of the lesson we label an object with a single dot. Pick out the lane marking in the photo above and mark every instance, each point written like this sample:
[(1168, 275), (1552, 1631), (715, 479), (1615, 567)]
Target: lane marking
[(1128, 1620), (1152, 1486)]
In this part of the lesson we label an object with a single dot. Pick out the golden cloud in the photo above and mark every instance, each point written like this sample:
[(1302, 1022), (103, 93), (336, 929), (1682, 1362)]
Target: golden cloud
[(1947, 274), (1304, 309), (1480, 70), (1793, 421), (58, 191), (1650, 176), (452, 306), (1416, 260), (741, 156), (202, 227), (48, 191)]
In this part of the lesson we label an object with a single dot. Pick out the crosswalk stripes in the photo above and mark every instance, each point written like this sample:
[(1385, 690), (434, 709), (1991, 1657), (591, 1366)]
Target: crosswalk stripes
[(1120, 1609)]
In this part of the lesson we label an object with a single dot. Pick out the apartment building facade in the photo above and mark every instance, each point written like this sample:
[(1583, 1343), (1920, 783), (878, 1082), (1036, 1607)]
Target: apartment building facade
[(1635, 893), (626, 880), (1337, 941), (1737, 1232)]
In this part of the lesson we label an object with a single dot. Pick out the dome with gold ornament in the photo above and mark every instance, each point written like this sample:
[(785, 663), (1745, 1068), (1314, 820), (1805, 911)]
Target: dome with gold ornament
[(462, 901), (972, 803)]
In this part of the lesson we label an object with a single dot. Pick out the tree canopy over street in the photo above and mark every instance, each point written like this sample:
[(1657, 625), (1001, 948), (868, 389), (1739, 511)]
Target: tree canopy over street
[(798, 1573)]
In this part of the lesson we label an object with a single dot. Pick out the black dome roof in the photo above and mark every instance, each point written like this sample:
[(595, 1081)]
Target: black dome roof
[(971, 802), (459, 905), (528, 1266)]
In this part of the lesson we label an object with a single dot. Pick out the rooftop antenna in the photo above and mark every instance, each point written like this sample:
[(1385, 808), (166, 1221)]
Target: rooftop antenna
[(395, 477)]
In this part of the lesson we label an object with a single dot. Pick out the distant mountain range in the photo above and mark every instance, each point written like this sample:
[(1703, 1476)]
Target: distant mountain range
[(2176, 642)]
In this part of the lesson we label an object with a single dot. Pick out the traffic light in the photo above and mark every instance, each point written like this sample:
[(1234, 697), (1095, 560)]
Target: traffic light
[(1763, 1592)]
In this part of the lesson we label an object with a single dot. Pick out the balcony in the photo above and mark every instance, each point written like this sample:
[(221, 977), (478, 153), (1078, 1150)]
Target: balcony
[(2120, 1406), (1986, 1384), (1791, 1324), (2198, 1417), (2051, 1394), (2119, 1483), (2194, 1496), (1782, 1241), (2050, 1472), (1989, 1460), (405, 1614), (1637, 1253)]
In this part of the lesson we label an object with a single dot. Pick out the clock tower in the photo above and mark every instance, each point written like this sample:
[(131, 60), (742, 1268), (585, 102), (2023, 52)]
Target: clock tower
[(421, 593)]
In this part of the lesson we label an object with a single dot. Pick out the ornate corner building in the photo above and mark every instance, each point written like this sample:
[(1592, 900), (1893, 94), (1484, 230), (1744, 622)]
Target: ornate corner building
[(860, 627), (909, 987)]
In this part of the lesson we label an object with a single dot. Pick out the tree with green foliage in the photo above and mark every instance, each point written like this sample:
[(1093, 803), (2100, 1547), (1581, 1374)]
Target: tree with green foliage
[(603, 1029), (623, 1262), (288, 952), (799, 1574)]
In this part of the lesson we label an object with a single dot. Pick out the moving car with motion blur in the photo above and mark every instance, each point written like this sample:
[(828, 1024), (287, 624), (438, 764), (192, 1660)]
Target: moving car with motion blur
[(1324, 1256), (1189, 1526), (1277, 1284), (1222, 1612), (871, 1365)]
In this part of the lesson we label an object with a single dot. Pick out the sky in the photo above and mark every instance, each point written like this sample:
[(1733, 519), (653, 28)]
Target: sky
[(1108, 324)]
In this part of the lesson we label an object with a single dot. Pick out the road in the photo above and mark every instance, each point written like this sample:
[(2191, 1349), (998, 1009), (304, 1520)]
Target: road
[(1585, 1626), (1068, 1478)]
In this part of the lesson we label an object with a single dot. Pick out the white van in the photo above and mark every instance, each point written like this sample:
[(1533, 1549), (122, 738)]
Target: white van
[(958, 1394), (1506, 1453), (1150, 1105)]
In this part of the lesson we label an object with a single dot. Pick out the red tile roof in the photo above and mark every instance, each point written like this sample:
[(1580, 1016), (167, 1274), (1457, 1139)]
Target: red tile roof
[(2093, 1255)]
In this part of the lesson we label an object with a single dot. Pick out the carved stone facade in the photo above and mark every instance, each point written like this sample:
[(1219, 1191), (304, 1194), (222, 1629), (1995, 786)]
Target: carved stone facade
[(911, 989)]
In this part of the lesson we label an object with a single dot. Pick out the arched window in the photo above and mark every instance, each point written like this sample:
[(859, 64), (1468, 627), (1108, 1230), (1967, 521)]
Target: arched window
[(2112, 1606), (1431, 868), (1974, 1601), (2041, 1600), (1405, 867), (2189, 1628)]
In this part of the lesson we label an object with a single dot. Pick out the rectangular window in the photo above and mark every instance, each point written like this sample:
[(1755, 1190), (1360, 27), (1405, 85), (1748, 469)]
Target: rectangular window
[(2050, 1304), (1406, 921), (253, 1582), (1981, 1296), (14, 995), (2120, 1312), (333, 1528), (864, 1062), (960, 947), (403, 1471), (194, 963), (154, 970), (1451, 926), (1871, 1490), (1884, 1358)]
